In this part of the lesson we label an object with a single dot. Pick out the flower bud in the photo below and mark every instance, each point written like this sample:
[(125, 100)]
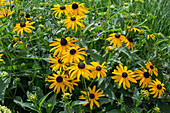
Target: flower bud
[(32, 97), (145, 93), (4, 74), (21, 13), (156, 109), (17, 80), (110, 48), (47, 4), (160, 34), (34, 8), (141, 32), (133, 15), (66, 96), (23, 64)]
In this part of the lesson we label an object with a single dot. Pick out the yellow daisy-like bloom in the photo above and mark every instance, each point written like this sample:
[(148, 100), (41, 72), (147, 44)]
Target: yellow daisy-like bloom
[(129, 43), (60, 81), (4, 2), (123, 76), (23, 27), (73, 21), (144, 77), (151, 36), (157, 88), (17, 41), (1, 56), (80, 69), (74, 54), (117, 38), (61, 45), (72, 83), (98, 70), (92, 96), (133, 29), (60, 9), (57, 64), (78, 9), (27, 17), (5, 12), (152, 68)]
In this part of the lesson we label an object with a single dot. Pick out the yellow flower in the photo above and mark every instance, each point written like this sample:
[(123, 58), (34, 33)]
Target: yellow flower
[(23, 27), (66, 96), (98, 70), (4, 2), (1, 56), (78, 69), (5, 12), (60, 9), (78, 9), (129, 43), (151, 36), (157, 88), (72, 83), (156, 110), (57, 64), (152, 68), (27, 16), (73, 21), (60, 81), (123, 76), (92, 96), (74, 54), (117, 38), (17, 41), (144, 77), (61, 45)]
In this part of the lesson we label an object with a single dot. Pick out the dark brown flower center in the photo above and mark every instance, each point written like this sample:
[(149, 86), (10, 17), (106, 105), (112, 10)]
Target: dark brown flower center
[(73, 18), (151, 67), (92, 96), (74, 6), (63, 42), (124, 75), (117, 35), (62, 7), (22, 24), (72, 51), (159, 86), (146, 74), (81, 65), (59, 61), (98, 68), (59, 79), (27, 16), (130, 39)]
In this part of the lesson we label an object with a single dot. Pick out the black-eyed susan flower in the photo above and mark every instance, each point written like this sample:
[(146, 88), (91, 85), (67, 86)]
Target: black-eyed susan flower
[(74, 54), (62, 45), (72, 83), (73, 21), (133, 29), (59, 81), (98, 70), (17, 41), (157, 88), (0, 57), (92, 96), (27, 17), (78, 69), (78, 9), (144, 77), (123, 76), (24, 27), (151, 36), (117, 39), (129, 43), (5, 12), (57, 63), (152, 68), (59, 9)]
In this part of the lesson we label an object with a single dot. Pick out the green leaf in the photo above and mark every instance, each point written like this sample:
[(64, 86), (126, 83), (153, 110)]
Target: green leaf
[(28, 105), (3, 27), (52, 101), (114, 111), (4, 83), (86, 28), (43, 99), (122, 22), (78, 102)]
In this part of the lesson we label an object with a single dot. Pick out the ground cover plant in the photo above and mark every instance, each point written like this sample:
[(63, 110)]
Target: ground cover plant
[(84, 56)]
